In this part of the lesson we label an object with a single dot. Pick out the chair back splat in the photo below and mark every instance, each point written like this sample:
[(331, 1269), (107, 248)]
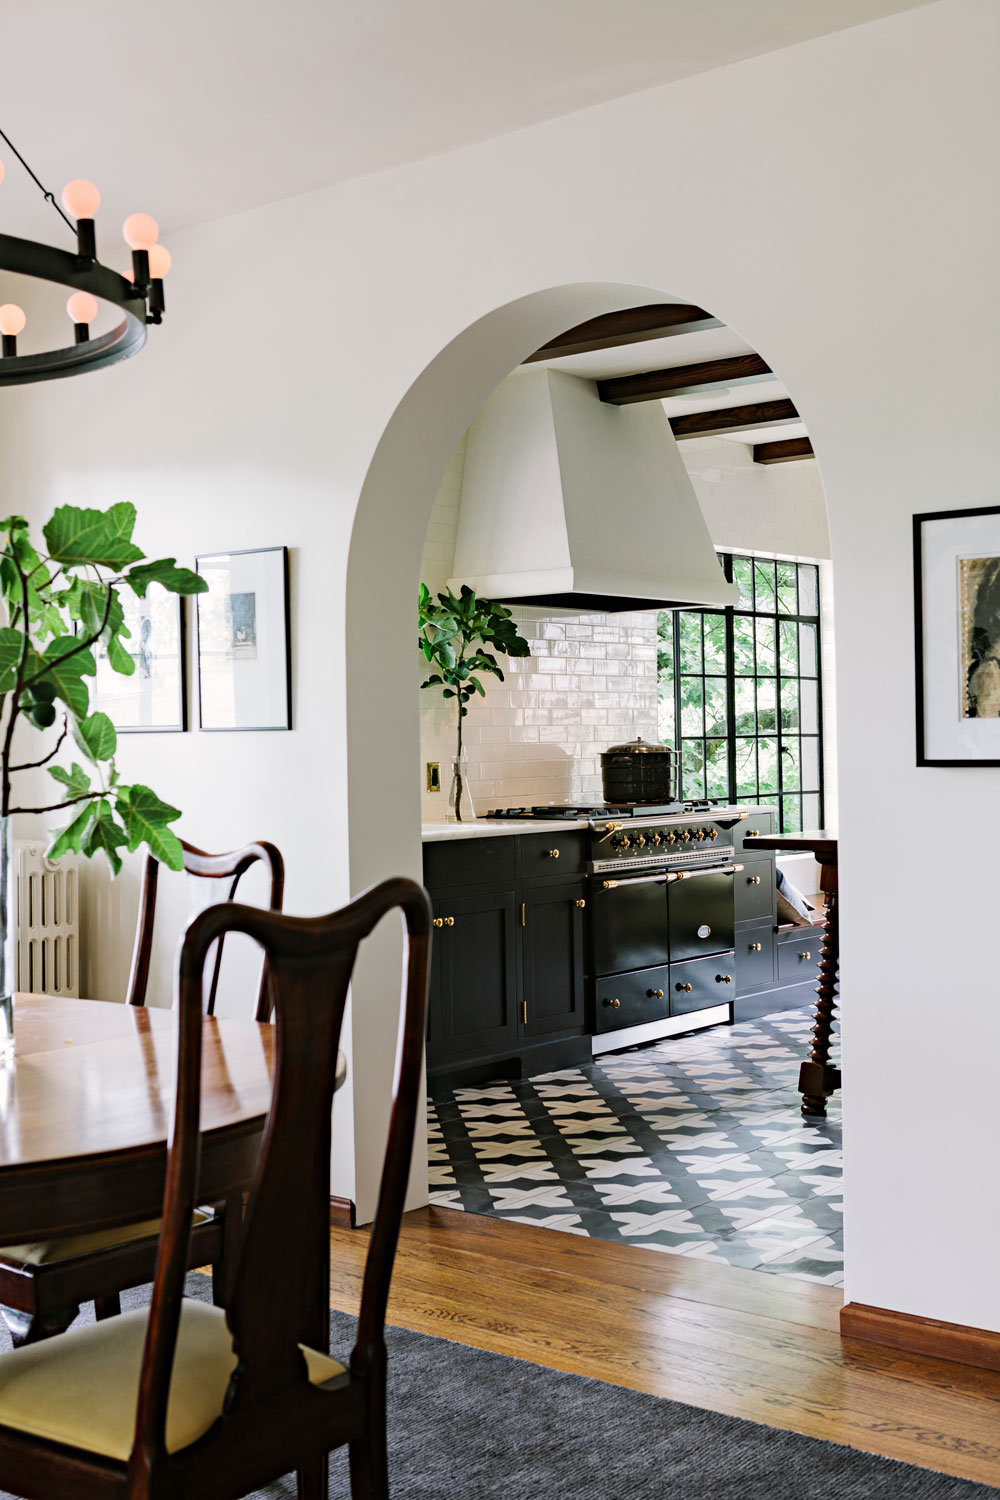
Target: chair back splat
[(232, 867), (280, 1289)]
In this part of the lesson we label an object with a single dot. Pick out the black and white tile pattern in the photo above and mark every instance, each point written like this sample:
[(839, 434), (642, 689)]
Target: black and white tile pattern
[(694, 1146)]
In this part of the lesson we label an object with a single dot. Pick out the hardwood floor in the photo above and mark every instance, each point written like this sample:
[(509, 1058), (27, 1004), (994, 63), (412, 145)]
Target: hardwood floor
[(762, 1347)]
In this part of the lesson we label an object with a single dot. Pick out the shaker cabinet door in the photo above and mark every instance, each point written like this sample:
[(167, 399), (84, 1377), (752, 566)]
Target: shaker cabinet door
[(552, 958), (474, 971)]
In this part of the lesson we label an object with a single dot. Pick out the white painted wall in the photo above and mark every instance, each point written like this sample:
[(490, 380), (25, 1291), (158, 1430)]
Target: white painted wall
[(430, 285)]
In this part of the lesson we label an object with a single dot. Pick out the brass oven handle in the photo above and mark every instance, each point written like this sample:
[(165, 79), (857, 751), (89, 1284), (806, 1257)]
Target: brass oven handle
[(683, 987), (714, 870), (612, 885)]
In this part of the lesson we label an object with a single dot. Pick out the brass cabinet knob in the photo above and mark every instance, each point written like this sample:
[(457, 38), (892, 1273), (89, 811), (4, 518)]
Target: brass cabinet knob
[(805, 955), (654, 994), (449, 921), (615, 1004), (552, 853), (753, 833), (753, 880), (439, 921), (723, 978), (755, 947), (580, 902), (683, 987)]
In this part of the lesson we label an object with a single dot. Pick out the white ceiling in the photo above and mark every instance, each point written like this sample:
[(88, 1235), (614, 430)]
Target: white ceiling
[(196, 109)]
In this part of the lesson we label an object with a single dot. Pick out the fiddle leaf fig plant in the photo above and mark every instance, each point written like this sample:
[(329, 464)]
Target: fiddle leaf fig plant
[(458, 635), (61, 600)]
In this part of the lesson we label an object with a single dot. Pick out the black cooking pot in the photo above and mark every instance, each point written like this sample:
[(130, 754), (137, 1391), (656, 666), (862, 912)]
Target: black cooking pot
[(639, 772)]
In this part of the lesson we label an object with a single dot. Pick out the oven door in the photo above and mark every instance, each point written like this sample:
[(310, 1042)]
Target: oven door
[(629, 924), (701, 913)]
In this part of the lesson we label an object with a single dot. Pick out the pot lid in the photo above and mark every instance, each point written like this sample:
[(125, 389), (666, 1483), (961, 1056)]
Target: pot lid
[(639, 747)]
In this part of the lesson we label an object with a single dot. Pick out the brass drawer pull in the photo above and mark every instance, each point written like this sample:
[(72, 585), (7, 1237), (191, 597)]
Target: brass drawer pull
[(805, 955), (723, 978), (753, 880), (552, 853), (449, 921), (679, 986), (755, 947), (654, 994), (753, 833), (580, 902), (615, 1004)]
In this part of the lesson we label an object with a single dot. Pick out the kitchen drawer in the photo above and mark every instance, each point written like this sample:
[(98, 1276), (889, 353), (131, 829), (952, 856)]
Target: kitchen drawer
[(754, 888), (631, 999), (469, 861), (548, 855), (701, 983), (756, 823), (754, 959), (798, 955)]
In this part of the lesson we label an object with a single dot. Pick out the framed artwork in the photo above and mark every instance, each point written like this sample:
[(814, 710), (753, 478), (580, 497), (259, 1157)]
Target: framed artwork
[(244, 650), (154, 698), (956, 576)]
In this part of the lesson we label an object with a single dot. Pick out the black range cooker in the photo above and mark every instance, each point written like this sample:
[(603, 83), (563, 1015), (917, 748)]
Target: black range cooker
[(661, 904)]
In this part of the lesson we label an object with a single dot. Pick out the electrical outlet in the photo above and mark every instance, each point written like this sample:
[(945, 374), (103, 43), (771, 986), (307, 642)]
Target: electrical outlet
[(433, 775)]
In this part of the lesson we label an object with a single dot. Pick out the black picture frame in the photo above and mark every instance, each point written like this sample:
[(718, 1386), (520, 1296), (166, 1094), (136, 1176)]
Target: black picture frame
[(920, 622), (100, 705), (280, 652)]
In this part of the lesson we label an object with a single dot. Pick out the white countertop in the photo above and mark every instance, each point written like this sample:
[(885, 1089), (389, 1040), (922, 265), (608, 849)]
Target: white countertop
[(433, 833)]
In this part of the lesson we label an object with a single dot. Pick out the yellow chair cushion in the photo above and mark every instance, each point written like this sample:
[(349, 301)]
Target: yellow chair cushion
[(45, 1252), (82, 1387)]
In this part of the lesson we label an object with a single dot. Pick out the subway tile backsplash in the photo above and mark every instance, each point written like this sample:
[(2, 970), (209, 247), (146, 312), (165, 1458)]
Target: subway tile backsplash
[(590, 682)]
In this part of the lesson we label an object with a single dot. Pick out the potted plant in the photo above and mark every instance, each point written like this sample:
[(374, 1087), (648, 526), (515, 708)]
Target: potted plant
[(456, 632), (60, 600)]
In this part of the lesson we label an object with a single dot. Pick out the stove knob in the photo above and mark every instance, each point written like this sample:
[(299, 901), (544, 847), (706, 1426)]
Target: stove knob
[(641, 841), (700, 835), (657, 840), (686, 835), (714, 834), (626, 843), (671, 838)]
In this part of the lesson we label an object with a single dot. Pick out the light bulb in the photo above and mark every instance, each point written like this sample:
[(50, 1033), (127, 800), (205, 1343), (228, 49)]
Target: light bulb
[(82, 307), (81, 198), (160, 260), (12, 318), (140, 231)]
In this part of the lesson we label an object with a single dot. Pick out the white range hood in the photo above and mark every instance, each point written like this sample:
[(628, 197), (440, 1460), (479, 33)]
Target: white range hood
[(578, 506)]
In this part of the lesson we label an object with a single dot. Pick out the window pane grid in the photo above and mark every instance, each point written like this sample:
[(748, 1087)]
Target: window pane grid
[(743, 687)]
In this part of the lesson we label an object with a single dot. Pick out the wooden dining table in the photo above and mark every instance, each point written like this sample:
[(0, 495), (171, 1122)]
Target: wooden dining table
[(86, 1105)]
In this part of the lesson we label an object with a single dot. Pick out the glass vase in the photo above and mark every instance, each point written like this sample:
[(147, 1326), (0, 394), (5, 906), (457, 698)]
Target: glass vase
[(460, 808), (8, 941)]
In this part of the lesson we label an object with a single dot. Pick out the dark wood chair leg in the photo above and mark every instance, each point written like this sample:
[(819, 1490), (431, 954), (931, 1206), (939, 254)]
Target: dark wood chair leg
[(817, 1080), (107, 1307), (31, 1328), (369, 1459), (314, 1480)]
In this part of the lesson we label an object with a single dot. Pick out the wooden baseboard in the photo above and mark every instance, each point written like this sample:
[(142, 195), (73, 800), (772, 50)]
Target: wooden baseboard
[(343, 1213), (878, 1325)]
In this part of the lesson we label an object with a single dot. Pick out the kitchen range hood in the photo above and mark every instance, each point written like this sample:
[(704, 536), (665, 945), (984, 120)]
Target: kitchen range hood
[(580, 507)]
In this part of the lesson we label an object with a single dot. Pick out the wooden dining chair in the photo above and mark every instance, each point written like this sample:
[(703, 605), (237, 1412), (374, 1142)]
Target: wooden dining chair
[(42, 1285), (185, 1399)]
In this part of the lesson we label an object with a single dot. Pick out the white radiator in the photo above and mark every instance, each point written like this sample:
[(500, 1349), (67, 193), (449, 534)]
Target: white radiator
[(48, 923)]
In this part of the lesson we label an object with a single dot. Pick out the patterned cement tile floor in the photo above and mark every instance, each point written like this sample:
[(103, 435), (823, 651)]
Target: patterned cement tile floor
[(693, 1146)]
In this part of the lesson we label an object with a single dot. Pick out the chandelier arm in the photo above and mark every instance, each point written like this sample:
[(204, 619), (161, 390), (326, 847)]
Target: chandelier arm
[(46, 194), (47, 263)]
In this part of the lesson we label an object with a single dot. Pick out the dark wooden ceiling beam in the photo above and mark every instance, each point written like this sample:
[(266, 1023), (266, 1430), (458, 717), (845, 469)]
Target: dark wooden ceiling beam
[(633, 325), (654, 385), (730, 418), (785, 451)]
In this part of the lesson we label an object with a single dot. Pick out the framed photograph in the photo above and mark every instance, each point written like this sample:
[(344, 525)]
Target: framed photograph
[(244, 650), (956, 575), (154, 698)]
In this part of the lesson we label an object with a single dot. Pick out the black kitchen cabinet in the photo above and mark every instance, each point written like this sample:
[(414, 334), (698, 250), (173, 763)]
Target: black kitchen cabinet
[(701, 984), (474, 992), (552, 949)]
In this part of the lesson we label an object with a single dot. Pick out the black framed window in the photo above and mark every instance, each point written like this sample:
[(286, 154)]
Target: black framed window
[(740, 692)]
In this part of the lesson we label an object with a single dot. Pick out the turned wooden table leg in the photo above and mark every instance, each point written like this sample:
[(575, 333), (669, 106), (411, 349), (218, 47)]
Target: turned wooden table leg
[(817, 1079)]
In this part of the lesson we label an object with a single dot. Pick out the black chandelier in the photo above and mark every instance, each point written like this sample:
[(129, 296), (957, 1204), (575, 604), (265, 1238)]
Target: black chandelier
[(137, 295)]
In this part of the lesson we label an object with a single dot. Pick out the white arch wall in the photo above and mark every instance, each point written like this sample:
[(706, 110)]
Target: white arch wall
[(832, 202)]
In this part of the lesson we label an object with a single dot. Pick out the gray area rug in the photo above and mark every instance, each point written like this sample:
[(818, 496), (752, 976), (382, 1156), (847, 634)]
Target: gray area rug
[(468, 1425)]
